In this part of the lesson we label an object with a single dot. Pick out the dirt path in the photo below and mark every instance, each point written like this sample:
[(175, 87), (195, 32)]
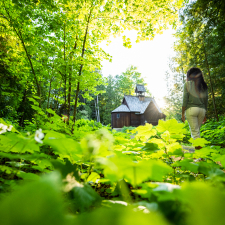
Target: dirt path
[(191, 149)]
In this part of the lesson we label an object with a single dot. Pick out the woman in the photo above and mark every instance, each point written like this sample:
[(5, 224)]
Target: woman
[(195, 101)]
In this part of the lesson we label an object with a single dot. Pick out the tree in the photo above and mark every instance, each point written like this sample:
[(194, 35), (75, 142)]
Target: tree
[(58, 42), (198, 44)]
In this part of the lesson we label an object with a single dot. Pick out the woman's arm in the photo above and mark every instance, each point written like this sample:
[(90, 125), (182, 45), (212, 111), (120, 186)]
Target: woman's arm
[(183, 114), (204, 120), (185, 101)]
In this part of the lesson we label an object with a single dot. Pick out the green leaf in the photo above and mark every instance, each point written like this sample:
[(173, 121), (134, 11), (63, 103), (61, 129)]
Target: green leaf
[(199, 142), (50, 134), (159, 142), (66, 168), (34, 203), (93, 177), (174, 149), (7, 169), (172, 126), (50, 111), (120, 214), (18, 143), (205, 203), (207, 167), (204, 152), (187, 164), (84, 197), (66, 148), (150, 147), (221, 159), (145, 132), (28, 176), (121, 166)]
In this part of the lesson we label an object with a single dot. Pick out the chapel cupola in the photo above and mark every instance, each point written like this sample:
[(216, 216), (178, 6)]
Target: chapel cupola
[(140, 92)]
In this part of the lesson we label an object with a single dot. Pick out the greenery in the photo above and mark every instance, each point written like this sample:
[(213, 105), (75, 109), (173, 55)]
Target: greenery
[(141, 175), (199, 43), (60, 161), (50, 49)]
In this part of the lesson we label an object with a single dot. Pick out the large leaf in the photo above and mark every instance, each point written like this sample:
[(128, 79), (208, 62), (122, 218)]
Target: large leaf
[(187, 164), (122, 166), (84, 197), (28, 176), (93, 177), (35, 203), (199, 142), (120, 215), (145, 132), (66, 148), (220, 159), (172, 126), (206, 203), (174, 149), (19, 144), (204, 152)]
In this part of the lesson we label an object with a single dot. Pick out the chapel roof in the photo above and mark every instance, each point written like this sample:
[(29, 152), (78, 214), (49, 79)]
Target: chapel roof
[(135, 104), (121, 108), (140, 88)]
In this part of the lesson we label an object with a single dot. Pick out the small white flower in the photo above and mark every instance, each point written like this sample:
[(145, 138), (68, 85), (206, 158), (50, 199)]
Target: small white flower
[(9, 128), (3, 128), (39, 136)]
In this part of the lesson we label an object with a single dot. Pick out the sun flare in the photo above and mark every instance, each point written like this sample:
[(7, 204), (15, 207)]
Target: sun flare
[(161, 103)]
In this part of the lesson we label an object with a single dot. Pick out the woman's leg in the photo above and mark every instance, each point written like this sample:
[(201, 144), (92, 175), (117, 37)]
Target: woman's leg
[(193, 121), (201, 117)]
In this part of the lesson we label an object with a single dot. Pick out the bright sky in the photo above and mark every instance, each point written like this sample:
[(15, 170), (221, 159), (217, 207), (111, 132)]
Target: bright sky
[(150, 57)]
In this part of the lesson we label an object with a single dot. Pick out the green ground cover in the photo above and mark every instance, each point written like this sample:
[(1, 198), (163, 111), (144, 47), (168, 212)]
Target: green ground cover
[(95, 175)]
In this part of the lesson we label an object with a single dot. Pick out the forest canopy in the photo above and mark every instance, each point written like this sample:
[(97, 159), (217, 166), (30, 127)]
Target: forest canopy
[(50, 49)]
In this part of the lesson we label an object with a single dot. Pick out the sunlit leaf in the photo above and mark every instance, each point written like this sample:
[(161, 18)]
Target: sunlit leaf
[(205, 202), (172, 126), (187, 164), (199, 142), (93, 177), (174, 149), (120, 215)]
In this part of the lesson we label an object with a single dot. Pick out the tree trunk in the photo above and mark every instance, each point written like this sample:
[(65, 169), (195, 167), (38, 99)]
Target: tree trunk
[(23, 103), (80, 71), (69, 96), (28, 56), (57, 101), (49, 92), (65, 78), (210, 80), (70, 83), (98, 115)]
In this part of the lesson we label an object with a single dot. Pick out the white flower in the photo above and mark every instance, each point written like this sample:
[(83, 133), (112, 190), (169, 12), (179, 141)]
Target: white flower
[(9, 128), (3, 128), (39, 135)]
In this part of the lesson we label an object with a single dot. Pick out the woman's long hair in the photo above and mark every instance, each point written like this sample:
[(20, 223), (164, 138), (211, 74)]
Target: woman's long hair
[(196, 75)]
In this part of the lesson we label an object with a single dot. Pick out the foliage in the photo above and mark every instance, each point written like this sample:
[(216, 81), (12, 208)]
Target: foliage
[(52, 172), (214, 131), (50, 49), (143, 175), (199, 43)]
